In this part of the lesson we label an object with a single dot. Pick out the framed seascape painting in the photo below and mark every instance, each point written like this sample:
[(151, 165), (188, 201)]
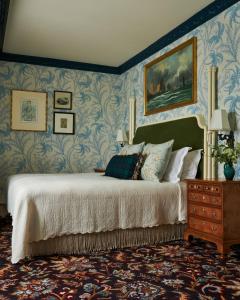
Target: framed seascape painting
[(29, 110), (62, 100), (63, 123), (170, 81)]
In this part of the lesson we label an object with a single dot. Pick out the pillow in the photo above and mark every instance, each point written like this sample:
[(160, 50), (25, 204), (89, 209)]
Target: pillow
[(157, 148), (175, 165), (190, 164), (156, 162), (132, 149), (122, 166), (137, 171)]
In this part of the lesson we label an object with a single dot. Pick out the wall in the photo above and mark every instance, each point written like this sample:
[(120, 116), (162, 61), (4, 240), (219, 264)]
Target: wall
[(99, 109), (218, 45)]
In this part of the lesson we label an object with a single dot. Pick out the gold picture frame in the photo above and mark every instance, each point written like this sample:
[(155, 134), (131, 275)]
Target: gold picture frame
[(29, 110), (170, 81)]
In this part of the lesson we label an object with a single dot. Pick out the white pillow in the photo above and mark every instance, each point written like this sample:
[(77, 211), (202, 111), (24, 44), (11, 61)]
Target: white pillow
[(156, 162), (132, 149), (190, 164), (175, 165)]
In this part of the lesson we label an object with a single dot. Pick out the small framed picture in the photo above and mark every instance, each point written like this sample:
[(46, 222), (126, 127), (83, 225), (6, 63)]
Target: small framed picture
[(29, 110), (63, 123), (62, 100)]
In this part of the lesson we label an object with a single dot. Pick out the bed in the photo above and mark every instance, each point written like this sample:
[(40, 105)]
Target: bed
[(78, 213)]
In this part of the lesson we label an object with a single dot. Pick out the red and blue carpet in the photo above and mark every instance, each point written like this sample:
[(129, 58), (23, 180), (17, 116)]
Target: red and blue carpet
[(171, 270)]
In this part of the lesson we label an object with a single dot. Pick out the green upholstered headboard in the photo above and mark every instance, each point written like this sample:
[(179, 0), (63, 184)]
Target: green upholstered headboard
[(184, 132)]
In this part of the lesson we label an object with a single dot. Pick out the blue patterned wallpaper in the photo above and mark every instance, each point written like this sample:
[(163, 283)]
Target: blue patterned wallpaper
[(218, 45), (100, 102), (99, 110)]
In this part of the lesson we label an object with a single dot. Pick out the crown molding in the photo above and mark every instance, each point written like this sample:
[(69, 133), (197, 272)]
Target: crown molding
[(58, 63), (207, 13)]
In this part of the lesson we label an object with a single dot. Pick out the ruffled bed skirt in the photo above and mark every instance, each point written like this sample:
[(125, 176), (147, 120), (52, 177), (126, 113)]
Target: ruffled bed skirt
[(92, 242)]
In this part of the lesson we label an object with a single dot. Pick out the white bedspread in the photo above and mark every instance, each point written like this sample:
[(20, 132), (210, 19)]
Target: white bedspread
[(46, 206)]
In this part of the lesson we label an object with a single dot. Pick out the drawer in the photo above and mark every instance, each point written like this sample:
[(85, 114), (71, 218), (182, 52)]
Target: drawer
[(208, 188), (212, 213), (212, 189), (204, 198), (195, 186), (206, 226)]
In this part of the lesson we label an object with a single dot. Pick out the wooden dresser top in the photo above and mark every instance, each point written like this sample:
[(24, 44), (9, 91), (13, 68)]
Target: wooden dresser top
[(214, 181)]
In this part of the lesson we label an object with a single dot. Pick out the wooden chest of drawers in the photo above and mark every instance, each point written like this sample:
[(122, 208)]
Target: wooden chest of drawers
[(214, 212)]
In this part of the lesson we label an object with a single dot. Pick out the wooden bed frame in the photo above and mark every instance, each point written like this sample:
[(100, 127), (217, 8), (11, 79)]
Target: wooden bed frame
[(188, 131)]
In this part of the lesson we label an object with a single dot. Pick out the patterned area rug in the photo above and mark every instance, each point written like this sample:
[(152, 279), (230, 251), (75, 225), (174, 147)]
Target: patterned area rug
[(173, 270)]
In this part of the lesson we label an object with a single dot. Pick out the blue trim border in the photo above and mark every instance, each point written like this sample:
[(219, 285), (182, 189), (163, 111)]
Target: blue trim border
[(58, 63), (207, 13)]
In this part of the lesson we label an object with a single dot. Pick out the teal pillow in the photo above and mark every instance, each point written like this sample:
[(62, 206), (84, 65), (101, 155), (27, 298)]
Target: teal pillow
[(122, 166)]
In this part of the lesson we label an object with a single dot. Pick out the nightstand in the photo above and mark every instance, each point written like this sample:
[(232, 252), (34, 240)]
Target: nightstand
[(214, 212), (96, 170)]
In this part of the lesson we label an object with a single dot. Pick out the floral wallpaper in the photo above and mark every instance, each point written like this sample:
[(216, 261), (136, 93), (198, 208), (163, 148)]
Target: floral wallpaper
[(100, 102), (99, 112), (218, 45)]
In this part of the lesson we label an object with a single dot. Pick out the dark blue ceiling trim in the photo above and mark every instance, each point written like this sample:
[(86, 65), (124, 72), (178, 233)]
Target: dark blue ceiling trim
[(196, 20), (207, 13), (4, 6), (58, 63)]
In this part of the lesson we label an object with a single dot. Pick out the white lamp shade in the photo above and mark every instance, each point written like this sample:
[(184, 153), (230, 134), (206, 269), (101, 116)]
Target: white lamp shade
[(219, 121), (121, 136)]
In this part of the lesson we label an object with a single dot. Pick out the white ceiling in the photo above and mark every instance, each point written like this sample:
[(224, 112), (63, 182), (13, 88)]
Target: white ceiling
[(107, 32)]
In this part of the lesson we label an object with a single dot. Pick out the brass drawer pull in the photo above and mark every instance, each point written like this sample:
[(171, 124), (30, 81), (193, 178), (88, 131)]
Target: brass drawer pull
[(214, 228), (214, 214), (214, 200)]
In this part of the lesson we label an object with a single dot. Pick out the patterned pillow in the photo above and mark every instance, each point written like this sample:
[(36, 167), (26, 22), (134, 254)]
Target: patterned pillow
[(156, 162), (156, 148), (137, 171), (132, 149), (122, 166)]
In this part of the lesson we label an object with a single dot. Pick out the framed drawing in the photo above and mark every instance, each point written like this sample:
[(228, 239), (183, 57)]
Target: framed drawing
[(170, 81), (63, 123), (29, 110), (62, 100)]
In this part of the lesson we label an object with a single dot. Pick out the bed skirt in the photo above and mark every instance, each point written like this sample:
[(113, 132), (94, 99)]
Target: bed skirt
[(92, 242)]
